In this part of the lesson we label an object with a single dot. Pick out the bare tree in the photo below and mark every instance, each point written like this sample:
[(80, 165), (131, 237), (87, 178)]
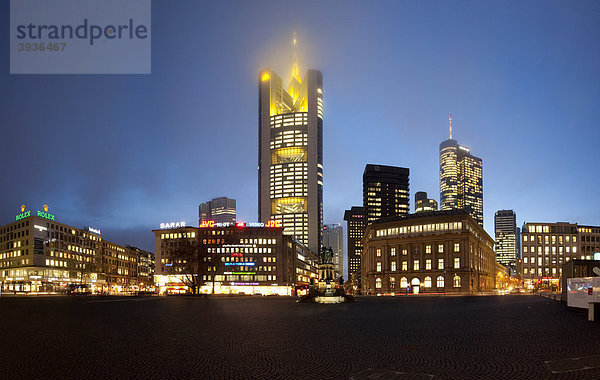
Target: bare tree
[(187, 260)]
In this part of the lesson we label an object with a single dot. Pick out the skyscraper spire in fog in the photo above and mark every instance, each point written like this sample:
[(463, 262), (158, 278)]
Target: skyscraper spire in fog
[(295, 67)]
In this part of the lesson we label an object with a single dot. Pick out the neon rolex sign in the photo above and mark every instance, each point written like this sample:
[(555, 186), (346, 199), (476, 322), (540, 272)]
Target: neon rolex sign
[(42, 214)]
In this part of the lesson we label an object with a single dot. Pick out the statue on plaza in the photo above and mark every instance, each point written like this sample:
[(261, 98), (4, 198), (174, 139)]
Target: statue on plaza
[(326, 255)]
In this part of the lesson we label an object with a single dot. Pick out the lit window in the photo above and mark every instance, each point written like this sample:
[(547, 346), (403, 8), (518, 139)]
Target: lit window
[(440, 263), (456, 247), (403, 282), (456, 281), (393, 268), (416, 265), (393, 251), (440, 282), (378, 252), (428, 249), (456, 262), (428, 264), (378, 266), (440, 248), (378, 283), (427, 282), (404, 265)]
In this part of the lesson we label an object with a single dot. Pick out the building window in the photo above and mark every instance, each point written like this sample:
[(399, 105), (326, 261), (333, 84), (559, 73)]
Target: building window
[(456, 262), (416, 265), (393, 268), (440, 248), (456, 281), (378, 283), (440, 263), (403, 282), (405, 265), (378, 251), (393, 251), (392, 282), (428, 264), (456, 247), (427, 249), (405, 252), (427, 282), (379, 266), (440, 282)]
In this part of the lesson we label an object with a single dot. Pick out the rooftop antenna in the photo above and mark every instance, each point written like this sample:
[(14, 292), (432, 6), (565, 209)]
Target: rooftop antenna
[(450, 120)]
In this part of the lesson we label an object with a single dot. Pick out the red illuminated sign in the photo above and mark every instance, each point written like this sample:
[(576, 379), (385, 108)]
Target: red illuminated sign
[(212, 224)]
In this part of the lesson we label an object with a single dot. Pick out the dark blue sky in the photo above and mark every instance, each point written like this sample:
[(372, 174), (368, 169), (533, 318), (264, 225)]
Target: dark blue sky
[(126, 152)]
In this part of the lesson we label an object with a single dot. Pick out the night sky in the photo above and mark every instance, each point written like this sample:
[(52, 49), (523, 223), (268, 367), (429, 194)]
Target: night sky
[(124, 153)]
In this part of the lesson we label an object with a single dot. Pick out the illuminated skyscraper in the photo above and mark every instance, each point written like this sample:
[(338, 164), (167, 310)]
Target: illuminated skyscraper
[(219, 210), (356, 228), (385, 191), (461, 179), (507, 238), (290, 153)]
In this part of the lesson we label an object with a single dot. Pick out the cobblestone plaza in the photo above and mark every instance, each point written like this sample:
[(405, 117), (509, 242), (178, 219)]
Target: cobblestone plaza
[(274, 337)]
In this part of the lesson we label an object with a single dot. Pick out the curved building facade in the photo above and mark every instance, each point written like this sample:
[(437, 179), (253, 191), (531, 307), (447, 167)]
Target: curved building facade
[(290, 154)]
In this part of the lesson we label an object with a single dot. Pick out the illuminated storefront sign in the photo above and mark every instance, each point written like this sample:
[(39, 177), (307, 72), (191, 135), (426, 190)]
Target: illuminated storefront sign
[(94, 230), (243, 272), (269, 224), (243, 264), (41, 228), (243, 283), (172, 225)]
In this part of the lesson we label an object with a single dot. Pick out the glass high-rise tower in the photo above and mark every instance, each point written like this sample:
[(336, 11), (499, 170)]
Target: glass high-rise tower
[(385, 191), (461, 179), (507, 238), (219, 210), (290, 153)]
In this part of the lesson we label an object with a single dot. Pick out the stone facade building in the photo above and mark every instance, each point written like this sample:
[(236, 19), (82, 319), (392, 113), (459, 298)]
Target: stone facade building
[(436, 252)]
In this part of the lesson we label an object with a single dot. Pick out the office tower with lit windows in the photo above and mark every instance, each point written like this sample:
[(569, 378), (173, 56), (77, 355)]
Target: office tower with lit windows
[(333, 237), (355, 217), (385, 191), (219, 210), (547, 246), (290, 154), (507, 238), (461, 179), (424, 204)]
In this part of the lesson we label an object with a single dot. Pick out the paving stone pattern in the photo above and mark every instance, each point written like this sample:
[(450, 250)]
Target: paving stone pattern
[(421, 337)]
